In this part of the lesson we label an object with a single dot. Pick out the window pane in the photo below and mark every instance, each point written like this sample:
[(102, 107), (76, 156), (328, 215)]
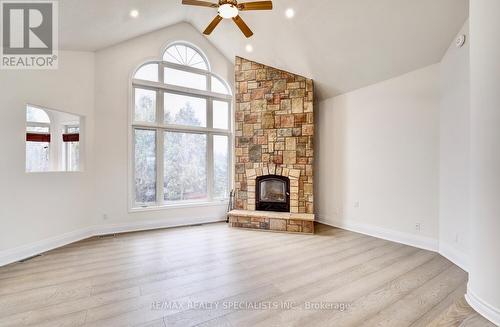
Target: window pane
[(218, 86), (36, 115), (148, 73), (184, 55), (73, 156), (37, 156), (221, 114), (185, 110), (221, 172), (37, 129), (72, 129), (145, 166), (145, 105), (186, 79), (185, 171)]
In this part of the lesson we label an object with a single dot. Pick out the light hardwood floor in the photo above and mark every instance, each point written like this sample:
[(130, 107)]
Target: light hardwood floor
[(197, 276)]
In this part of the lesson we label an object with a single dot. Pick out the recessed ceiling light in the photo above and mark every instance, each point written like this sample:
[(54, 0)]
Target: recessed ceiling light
[(290, 13), (249, 48), (134, 13)]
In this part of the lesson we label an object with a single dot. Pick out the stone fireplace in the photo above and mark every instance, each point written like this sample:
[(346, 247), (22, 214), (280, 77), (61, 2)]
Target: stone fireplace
[(274, 153)]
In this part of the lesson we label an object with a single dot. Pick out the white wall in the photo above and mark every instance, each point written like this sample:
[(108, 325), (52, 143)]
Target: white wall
[(378, 146), (454, 208), (483, 291), (37, 206), (114, 67)]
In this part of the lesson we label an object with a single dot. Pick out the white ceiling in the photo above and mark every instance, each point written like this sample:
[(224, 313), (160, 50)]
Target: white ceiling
[(342, 44)]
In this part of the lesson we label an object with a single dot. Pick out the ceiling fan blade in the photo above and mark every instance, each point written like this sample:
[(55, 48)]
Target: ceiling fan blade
[(243, 26), (256, 5), (212, 25), (200, 3)]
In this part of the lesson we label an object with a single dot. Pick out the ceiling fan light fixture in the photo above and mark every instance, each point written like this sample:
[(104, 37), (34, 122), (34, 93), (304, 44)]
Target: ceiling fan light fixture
[(228, 10)]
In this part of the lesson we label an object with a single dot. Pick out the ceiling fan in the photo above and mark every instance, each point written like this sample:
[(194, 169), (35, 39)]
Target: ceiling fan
[(230, 9)]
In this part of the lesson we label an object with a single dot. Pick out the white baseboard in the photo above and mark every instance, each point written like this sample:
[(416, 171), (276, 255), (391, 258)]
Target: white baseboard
[(483, 308), (35, 248), (149, 225), (451, 253), (422, 242)]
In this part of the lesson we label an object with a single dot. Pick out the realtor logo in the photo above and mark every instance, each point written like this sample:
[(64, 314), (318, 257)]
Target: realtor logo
[(29, 34)]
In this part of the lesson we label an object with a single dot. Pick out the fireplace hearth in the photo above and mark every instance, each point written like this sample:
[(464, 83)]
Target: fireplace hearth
[(272, 193)]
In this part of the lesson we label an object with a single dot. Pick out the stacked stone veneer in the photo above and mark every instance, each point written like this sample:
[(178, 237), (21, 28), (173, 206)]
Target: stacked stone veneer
[(274, 133), (271, 222)]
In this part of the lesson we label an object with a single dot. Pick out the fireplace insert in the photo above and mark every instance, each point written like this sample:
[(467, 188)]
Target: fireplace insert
[(272, 193)]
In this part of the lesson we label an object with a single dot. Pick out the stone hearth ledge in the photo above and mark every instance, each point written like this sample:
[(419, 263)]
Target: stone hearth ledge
[(272, 221)]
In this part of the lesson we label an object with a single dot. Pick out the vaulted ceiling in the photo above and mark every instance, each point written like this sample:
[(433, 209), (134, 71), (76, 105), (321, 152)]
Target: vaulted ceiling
[(341, 44)]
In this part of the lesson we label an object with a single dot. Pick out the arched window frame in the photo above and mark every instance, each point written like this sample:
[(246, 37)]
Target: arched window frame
[(160, 127)]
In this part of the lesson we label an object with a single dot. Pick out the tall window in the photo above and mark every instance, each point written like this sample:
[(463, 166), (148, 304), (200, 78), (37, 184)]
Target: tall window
[(181, 128)]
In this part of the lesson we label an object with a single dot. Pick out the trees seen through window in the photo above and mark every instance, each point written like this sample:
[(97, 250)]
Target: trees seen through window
[(180, 130)]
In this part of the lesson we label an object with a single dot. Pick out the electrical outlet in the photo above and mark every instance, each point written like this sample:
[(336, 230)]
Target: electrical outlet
[(356, 204), (105, 216), (418, 227)]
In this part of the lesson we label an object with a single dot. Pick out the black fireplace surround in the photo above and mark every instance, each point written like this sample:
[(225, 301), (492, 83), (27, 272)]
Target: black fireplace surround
[(272, 193)]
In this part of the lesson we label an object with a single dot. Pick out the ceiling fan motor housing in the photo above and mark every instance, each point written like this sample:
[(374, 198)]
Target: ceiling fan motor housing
[(229, 2)]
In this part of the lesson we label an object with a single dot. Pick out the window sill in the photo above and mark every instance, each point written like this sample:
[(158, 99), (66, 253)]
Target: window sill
[(180, 206)]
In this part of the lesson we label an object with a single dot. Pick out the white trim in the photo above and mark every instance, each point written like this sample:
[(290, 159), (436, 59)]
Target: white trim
[(180, 89), (150, 225), (446, 250), (35, 248), (422, 242), (181, 204), (451, 253), (482, 307)]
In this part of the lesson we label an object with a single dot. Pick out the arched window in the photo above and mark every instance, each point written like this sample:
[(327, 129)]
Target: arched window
[(185, 55), (37, 140), (181, 130)]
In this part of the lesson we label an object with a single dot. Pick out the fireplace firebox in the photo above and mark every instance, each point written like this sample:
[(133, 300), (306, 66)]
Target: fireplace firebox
[(272, 193)]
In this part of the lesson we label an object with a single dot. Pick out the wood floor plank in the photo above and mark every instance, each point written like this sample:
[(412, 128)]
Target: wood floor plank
[(203, 278), (409, 309), (324, 280), (370, 304), (120, 280), (459, 313), (431, 316)]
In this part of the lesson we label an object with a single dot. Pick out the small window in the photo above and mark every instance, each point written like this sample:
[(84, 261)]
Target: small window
[(37, 115), (185, 156), (221, 114), (145, 166), (183, 54), (145, 105), (218, 86), (221, 164), (148, 72), (185, 110), (71, 140), (52, 140), (185, 79)]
